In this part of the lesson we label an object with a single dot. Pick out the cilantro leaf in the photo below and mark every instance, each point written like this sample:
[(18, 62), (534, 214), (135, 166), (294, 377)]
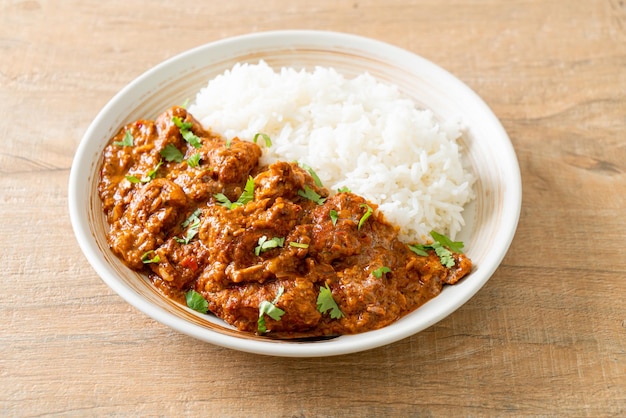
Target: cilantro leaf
[(455, 246), (185, 131), (310, 194), (248, 192), (147, 258), (268, 141), (180, 124), (419, 249), (270, 309), (133, 179), (344, 189), (128, 140), (191, 232), (443, 247), (194, 160), (313, 174), (223, 200), (151, 175), (192, 139), (445, 256), (196, 302), (378, 273), (171, 153), (246, 196), (298, 244), (326, 302), (195, 216), (265, 244), (366, 215), (333, 216)]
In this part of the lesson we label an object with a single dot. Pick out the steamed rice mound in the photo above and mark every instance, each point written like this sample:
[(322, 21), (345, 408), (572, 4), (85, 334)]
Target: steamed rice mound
[(357, 133)]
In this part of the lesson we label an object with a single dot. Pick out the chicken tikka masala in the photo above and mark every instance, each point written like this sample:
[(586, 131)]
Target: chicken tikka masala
[(268, 249)]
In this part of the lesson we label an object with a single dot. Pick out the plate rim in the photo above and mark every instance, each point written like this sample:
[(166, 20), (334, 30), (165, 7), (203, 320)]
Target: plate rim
[(345, 344)]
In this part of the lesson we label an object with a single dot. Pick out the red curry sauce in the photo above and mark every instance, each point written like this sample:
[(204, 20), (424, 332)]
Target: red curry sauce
[(169, 219)]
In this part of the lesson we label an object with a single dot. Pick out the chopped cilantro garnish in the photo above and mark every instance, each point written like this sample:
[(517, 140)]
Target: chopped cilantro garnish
[(378, 273), (298, 244), (419, 249), (310, 194), (265, 244), (151, 175), (366, 215), (313, 174), (266, 138), (147, 257), (195, 216), (128, 140), (191, 232), (185, 104), (194, 160), (270, 309), (445, 256), (344, 189), (246, 196), (333, 216), (171, 153), (185, 131), (456, 246), (133, 179), (228, 143), (443, 247), (326, 302), (180, 124), (196, 302)]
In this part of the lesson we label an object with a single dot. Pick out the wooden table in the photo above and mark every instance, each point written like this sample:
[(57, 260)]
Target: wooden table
[(546, 335)]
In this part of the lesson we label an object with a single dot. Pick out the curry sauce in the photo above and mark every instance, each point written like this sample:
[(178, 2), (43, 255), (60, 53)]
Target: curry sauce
[(198, 213)]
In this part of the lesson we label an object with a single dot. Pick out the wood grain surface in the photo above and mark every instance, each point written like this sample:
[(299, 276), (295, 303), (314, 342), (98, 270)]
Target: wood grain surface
[(545, 337)]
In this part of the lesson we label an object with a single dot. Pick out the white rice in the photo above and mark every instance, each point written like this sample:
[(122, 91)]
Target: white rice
[(358, 133)]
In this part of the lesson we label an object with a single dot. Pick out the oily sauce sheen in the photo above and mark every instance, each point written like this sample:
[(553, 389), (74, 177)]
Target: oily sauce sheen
[(149, 202)]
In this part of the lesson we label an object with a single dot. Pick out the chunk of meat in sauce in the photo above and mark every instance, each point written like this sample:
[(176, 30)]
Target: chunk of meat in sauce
[(340, 241)]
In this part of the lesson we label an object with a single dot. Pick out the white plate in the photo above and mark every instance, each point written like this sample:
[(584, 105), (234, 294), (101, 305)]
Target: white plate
[(491, 219)]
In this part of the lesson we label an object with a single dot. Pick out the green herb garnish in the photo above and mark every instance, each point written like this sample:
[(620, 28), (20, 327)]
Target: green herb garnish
[(195, 216), (134, 179), (268, 141), (171, 153), (270, 309), (378, 273), (344, 189), (191, 232), (151, 175), (326, 302), (298, 244), (333, 216), (265, 244), (128, 140), (443, 247), (246, 196), (456, 246), (147, 258), (313, 174), (196, 302), (185, 131), (366, 215), (194, 160), (310, 194)]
